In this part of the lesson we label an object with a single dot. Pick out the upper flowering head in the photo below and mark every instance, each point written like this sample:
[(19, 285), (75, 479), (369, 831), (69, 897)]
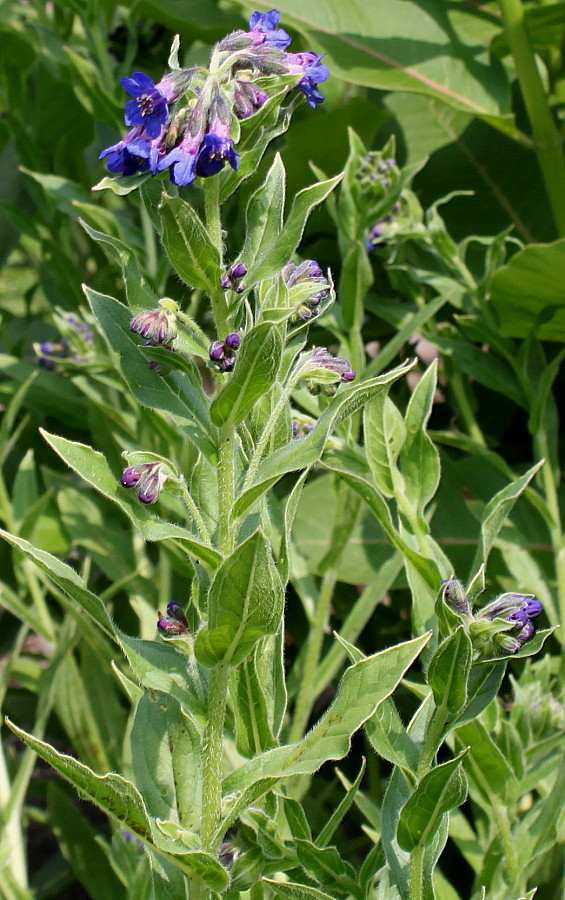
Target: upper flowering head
[(307, 287), (324, 372), (518, 610), (128, 156), (157, 326), (174, 623)]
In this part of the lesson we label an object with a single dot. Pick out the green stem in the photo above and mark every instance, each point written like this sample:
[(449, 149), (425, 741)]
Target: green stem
[(212, 752), (546, 136), (195, 513), (226, 488), (556, 530), (463, 406), (417, 872), (267, 432)]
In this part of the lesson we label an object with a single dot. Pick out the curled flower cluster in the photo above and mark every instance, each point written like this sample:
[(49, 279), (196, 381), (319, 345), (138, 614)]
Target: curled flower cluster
[(157, 326), (231, 280), (174, 623), (186, 121), (222, 353), (324, 372), (147, 478), (307, 287), (504, 624)]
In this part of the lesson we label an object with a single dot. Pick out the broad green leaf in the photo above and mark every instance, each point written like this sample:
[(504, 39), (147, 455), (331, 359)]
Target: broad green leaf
[(245, 603), (385, 434), (440, 790), (250, 708), (482, 687), (92, 466), (77, 840), (116, 796), (382, 48), (184, 401), (489, 772), (189, 246), (296, 819), (527, 293), (304, 453), (497, 510), (264, 215), (68, 580), (121, 185), (389, 737), (158, 666), (362, 689), (449, 670), (255, 373), (166, 760)]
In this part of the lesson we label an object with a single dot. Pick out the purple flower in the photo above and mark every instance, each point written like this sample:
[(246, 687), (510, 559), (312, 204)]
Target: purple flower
[(150, 106), (148, 478), (216, 149), (222, 353), (158, 326), (313, 73), (517, 609), (128, 156), (265, 25), (247, 98), (182, 160), (455, 596), (171, 626), (233, 340)]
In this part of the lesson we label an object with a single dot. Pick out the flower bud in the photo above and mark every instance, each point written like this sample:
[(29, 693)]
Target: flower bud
[(157, 326), (148, 478), (233, 340), (170, 627), (455, 597)]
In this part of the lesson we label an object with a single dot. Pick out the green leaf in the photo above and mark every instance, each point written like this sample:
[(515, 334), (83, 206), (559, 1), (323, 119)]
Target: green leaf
[(69, 582), (382, 48), (530, 648), (482, 687), (449, 670), (121, 185), (258, 362), (264, 215), (77, 840), (385, 434), (139, 293), (325, 865), (390, 739), (92, 466), (362, 689), (250, 707), (341, 809), (166, 760), (527, 293), (295, 891), (181, 398), (440, 790), (496, 511), (488, 770), (419, 459), (188, 245), (245, 603), (115, 796)]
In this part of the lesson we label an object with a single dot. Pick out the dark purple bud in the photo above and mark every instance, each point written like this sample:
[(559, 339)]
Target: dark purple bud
[(228, 854), (295, 428), (227, 364), (238, 271), (130, 476), (233, 340), (348, 376), (176, 612), (158, 326), (518, 610), (309, 427), (170, 627), (455, 596), (216, 351), (225, 282), (148, 478)]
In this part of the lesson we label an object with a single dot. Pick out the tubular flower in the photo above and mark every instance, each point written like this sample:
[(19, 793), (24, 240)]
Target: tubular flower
[(150, 105), (147, 478), (324, 372), (313, 73), (125, 156)]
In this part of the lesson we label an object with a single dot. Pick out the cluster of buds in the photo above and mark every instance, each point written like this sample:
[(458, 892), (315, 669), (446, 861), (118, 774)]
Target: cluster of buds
[(222, 353), (504, 625), (148, 479), (231, 280), (174, 624), (307, 287), (376, 171), (74, 345), (301, 429), (324, 372), (158, 326), (186, 122), (384, 229)]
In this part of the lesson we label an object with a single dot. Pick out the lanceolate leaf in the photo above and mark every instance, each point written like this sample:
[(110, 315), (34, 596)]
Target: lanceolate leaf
[(255, 373), (449, 671), (188, 245), (92, 466), (440, 790), (363, 687), (245, 603)]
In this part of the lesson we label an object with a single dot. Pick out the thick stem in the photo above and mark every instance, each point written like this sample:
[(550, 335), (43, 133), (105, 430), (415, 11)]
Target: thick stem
[(212, 753), (546, 136), (267, 432), (417, 873)]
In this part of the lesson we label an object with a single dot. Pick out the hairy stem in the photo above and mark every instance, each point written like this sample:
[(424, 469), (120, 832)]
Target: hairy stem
[(212, 753)]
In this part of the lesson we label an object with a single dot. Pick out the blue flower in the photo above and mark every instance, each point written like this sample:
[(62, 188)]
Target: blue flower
[(128, 156), (518, 610), (266, 24), (216, 150), (150, 106), (313, 73)]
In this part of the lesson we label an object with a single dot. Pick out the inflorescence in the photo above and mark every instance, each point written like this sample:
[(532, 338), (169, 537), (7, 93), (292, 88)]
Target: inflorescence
[(188, 121)]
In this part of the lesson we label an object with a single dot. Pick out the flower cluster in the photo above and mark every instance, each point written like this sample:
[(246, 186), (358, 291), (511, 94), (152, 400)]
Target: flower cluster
[(147, 478), (325, 372), (222, 353), (231, 280), (505, 624), (384, 229), (157, 326), (74, 345), (307, 287), (186, 122), (174, 623), (301, 429)]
